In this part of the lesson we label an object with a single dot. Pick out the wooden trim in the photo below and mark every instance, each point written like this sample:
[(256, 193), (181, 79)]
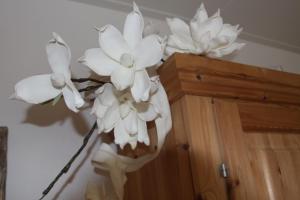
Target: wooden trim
[(196, 75), (261, 117), (3, 151)]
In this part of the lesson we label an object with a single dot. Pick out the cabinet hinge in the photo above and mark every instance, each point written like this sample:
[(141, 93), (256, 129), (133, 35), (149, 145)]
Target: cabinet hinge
[(224, 170)]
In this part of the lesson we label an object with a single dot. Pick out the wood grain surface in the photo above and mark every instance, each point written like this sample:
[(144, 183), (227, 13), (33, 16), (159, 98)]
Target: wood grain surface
[(244, 116), (263, 165), (205, 148), (267, 117), (189, 74), (168, 177)]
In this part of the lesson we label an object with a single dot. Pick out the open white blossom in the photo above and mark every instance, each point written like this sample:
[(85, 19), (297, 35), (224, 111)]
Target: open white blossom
[(204, 36), (107, 158), (117, 110), (41, 88), (125, 57), (151, 28)]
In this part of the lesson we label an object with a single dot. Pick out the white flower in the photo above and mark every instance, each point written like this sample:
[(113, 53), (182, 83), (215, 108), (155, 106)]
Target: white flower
[(117, 110), (107, 158), (126, 57), (41, 88), (151, 28), (204, 36)]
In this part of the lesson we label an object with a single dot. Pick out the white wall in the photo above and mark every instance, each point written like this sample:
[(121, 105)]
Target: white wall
[(43, 138), (268, 57)]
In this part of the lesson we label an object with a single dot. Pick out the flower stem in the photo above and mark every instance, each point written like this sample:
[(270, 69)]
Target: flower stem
[(88, 88), (82, 80), (68, 165)]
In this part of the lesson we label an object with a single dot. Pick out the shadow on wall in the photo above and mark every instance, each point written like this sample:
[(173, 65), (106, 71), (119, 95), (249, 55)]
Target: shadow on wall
[(46, 115), (74, 172)]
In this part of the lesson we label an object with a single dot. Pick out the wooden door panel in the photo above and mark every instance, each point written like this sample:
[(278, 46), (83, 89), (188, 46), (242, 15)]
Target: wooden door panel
[(269, 117), (264, 165), (276, 156), (279, 177), (275, 140), (241, 183), (168, 177), (205, 149)]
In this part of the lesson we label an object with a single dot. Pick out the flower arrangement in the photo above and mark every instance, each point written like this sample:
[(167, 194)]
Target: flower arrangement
[(203, 36), (131, 98)]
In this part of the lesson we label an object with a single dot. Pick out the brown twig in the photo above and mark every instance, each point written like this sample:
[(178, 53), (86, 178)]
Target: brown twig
[(68, 165), (82, 80), (88, 88)]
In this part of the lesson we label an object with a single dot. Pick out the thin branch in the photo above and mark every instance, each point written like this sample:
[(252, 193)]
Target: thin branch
[(68, 165), (82, 80), (88, 88)]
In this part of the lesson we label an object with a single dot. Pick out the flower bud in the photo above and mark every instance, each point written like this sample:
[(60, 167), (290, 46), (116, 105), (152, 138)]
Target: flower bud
[(58, 80)]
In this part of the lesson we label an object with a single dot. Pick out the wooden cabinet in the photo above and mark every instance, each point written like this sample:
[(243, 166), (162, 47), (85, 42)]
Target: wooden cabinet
[(244, 117)]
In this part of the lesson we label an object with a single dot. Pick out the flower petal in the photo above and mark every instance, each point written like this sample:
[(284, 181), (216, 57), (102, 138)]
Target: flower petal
[(230, 32), (171, 50), (226, 50), (97, 61), (69, 99), (111, 118), (124, 109), (112, 42), (150, 28), (158, 100), (213, 25), (148, 52), (59, 56), (141, 86), (178, 42), (95, 106), (180, 29), (119, 179), (146, 111), (218, 42), (201, 14), (133, 142), (227, 35), (79, 102), (143, 136), (100, 125), (133, 27), (106, 94), (35, 89), (122, 77), (120, 134), (122, 137), (130, 123), (107, 159), (99, 109), (203, 43)]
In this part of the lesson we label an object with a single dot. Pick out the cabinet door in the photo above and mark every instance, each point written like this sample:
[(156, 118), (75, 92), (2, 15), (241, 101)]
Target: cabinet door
[(169, 176), (262, 149), (188, 165)]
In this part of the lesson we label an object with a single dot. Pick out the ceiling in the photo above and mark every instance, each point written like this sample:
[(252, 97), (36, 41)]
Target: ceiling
[(271, 22)]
